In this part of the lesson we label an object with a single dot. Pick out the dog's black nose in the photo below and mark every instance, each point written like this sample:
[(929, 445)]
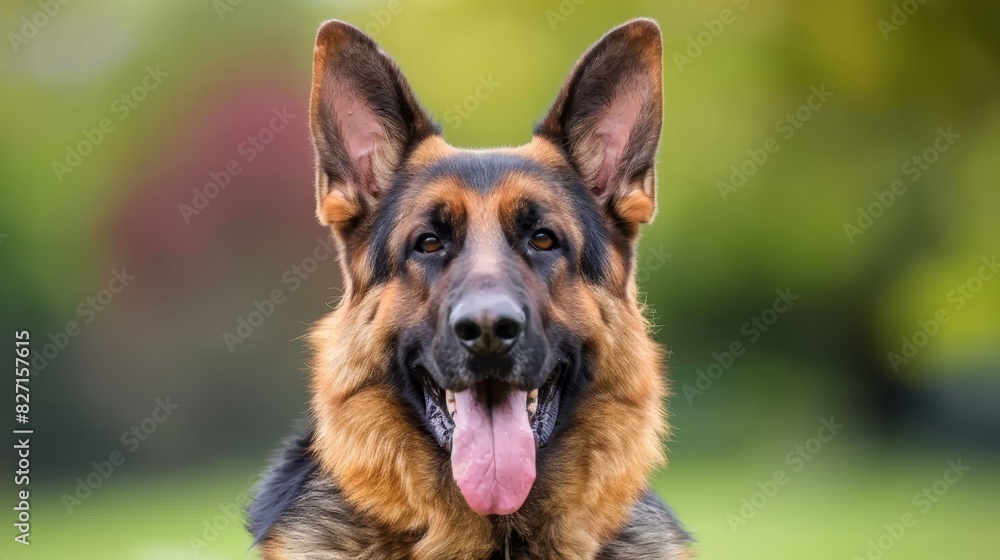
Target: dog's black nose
[(487, 323)]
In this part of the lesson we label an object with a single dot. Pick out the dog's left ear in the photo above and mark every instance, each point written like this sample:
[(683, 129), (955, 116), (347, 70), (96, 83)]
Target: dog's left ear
[(364, 119), (607, 119)]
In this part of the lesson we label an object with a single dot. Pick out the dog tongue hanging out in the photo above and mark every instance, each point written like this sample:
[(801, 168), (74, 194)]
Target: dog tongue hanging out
[(486, 387), (493, 449)]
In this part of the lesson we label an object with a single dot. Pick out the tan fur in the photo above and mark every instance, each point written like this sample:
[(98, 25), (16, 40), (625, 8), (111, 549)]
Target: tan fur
[(274, 548), (370, 442)]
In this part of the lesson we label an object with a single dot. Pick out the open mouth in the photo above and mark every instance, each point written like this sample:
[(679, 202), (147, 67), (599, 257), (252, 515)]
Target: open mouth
[(492, 430)]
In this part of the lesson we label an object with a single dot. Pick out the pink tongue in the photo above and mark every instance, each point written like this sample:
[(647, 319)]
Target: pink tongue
[(493, 451)]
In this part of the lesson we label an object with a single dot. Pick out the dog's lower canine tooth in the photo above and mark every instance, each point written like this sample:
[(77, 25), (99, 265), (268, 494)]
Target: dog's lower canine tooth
[(532, 403), (449, 398)]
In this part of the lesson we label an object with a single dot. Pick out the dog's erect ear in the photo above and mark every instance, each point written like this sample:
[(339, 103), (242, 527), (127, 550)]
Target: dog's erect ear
[(608, 116), (364, 119)]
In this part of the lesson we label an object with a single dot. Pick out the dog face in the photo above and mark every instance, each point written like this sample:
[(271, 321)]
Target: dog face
[(482, 285)]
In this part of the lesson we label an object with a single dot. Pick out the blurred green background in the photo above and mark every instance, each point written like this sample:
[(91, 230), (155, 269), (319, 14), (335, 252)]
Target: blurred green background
[(873, 212)]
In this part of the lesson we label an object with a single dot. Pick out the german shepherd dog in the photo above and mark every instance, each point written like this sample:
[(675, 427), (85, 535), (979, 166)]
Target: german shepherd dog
[(487, 387)]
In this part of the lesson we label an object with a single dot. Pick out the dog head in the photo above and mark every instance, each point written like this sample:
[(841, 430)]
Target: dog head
[(486, 285)]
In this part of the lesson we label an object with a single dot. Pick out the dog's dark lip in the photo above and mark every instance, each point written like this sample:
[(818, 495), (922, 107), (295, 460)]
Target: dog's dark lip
[(441, 425), (549, 398)]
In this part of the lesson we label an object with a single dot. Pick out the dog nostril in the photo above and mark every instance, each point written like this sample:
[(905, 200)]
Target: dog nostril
[(506, 329), (467, 331), (486, 323)]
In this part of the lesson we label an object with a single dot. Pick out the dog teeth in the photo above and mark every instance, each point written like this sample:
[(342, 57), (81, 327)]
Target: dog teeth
[(449, 398), (532, 403)]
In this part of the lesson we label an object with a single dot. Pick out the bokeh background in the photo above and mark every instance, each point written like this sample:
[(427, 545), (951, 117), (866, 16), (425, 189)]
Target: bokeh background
[(186, 93)]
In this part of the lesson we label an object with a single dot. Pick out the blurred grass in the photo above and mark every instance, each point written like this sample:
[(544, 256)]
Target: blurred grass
[(828, 511)]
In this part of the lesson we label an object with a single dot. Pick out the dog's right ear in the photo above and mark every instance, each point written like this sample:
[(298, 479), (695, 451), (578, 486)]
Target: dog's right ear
[(364, 119)]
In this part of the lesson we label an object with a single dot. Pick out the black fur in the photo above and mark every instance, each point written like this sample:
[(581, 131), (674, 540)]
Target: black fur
[(481, 171), (281, 485), (380, 230), (653, 532)]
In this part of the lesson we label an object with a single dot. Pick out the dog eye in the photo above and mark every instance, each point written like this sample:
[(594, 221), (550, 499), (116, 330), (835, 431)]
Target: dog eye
[(429, 243), (544, 240)]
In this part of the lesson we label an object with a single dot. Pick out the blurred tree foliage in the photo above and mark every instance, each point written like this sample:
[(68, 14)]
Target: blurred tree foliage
[(737, 73)]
